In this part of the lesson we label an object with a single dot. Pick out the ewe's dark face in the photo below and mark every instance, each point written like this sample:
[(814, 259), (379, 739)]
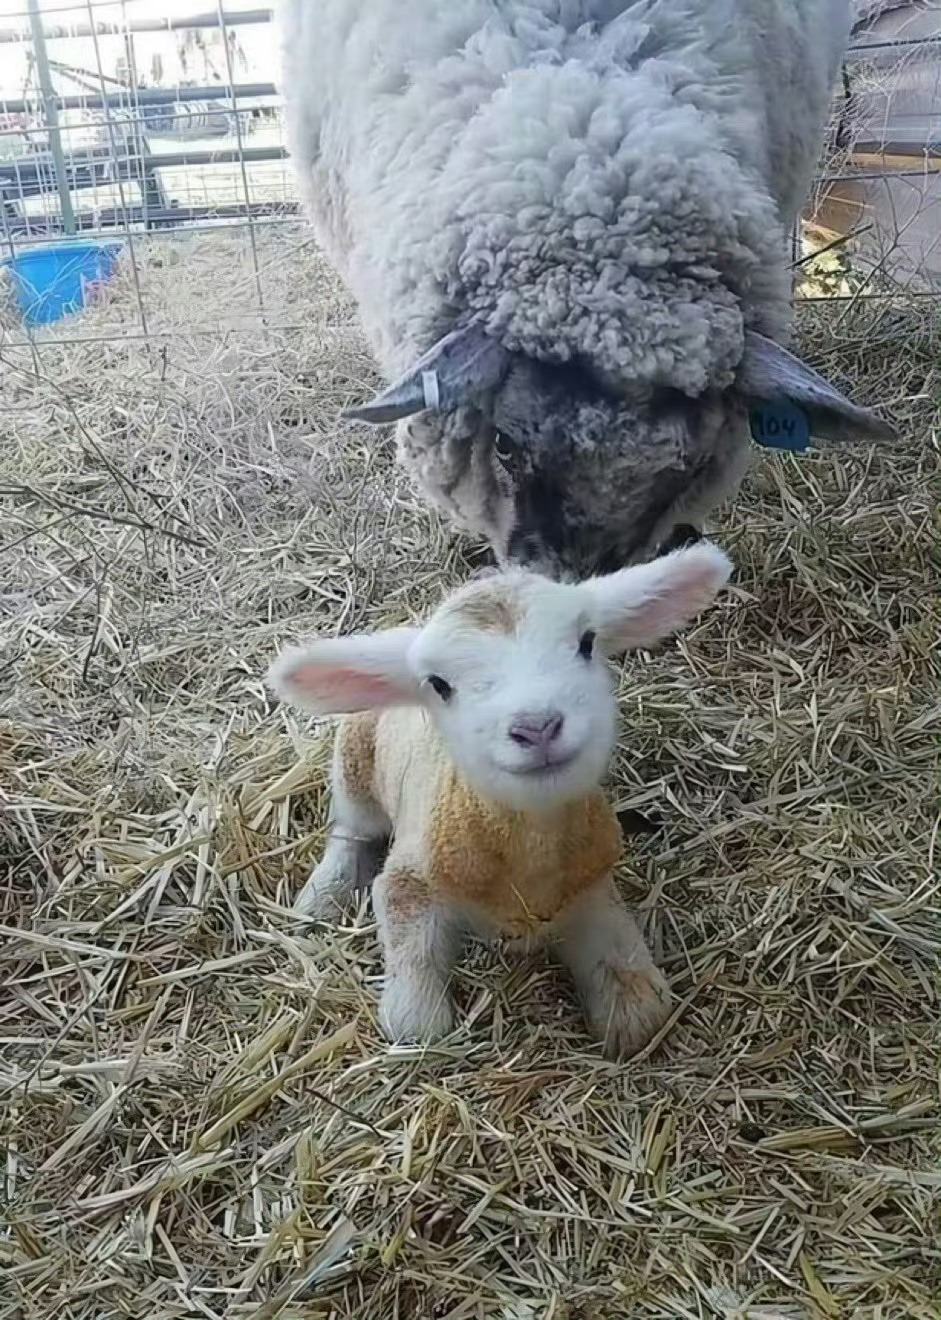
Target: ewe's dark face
[(598, 482), (569, 477)]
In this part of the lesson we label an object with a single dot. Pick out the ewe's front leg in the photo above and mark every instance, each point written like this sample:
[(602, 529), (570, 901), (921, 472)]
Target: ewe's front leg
[(625, 997), (421, 939)]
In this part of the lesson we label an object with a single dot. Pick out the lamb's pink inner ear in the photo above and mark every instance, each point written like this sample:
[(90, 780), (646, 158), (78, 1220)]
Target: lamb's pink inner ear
[(345, 689)]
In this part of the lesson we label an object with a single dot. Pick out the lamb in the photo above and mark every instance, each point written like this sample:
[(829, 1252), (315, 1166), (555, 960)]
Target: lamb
[(477, 744), (564, 224)]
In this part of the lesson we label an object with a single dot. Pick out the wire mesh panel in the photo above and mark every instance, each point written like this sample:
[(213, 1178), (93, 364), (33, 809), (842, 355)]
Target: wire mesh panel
[(147, 124)]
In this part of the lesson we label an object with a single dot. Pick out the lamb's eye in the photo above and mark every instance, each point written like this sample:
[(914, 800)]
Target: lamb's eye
[(586, 644), (444, 690)]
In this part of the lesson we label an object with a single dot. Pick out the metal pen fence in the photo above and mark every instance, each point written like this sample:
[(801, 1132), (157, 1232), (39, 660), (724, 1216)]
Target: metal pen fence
[(119, 121), (131, 121)]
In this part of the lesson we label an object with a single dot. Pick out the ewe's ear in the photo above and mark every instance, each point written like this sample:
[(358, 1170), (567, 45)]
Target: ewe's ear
[(458, 369), (341, 675), (639, 606), (770, 374)]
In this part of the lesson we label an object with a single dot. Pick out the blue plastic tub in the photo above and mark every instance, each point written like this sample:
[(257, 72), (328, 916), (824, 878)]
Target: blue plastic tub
[(57, 279)]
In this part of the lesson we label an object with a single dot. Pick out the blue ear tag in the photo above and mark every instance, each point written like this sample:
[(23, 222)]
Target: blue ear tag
[(779, 426)]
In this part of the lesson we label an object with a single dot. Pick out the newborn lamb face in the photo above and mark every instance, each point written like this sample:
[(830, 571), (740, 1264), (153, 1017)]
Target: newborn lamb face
[(476, 744), (515, 680)]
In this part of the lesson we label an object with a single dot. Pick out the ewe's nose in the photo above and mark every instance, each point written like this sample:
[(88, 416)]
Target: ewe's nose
[(536, 730)]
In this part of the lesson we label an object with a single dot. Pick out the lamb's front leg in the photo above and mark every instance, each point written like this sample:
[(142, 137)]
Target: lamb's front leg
[(359, 828), (625, 997), (421, 939)]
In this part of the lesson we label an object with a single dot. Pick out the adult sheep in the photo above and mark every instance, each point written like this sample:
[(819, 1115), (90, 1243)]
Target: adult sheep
[(564, 222)]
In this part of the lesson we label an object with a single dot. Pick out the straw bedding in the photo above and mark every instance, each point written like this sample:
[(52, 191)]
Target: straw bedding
[(199, 1116)]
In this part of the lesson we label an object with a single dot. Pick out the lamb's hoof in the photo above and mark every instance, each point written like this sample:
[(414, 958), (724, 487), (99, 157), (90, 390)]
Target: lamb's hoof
[(326, 895), (347, 868), (415, 1009), (629, 1009)]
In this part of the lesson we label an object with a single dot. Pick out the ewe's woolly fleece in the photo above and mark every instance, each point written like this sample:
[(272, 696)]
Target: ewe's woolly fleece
[(587, 177)]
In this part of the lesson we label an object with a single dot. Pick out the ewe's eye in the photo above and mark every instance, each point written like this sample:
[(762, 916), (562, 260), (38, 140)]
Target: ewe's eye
[(444, 690), (586, 644)]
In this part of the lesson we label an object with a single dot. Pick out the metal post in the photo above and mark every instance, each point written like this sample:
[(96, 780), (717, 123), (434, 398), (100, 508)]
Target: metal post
[(51, 111)]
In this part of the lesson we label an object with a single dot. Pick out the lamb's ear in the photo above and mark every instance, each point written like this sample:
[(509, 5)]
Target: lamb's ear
[(770, 374), (458, 369), (341, 675), (638, 606)]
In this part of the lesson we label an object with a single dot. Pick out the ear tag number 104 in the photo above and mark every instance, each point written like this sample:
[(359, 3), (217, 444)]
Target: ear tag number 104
[(779, 426)]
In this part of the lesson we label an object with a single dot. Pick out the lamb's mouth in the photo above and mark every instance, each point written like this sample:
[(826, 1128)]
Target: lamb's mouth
[(545, 768)]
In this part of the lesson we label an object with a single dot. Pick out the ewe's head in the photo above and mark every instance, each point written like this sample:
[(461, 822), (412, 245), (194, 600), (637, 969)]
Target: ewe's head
[(512, 669), (596, 472)]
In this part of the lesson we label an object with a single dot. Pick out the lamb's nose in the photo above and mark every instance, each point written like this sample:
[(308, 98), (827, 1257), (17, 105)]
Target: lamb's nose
[(536, 730)]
